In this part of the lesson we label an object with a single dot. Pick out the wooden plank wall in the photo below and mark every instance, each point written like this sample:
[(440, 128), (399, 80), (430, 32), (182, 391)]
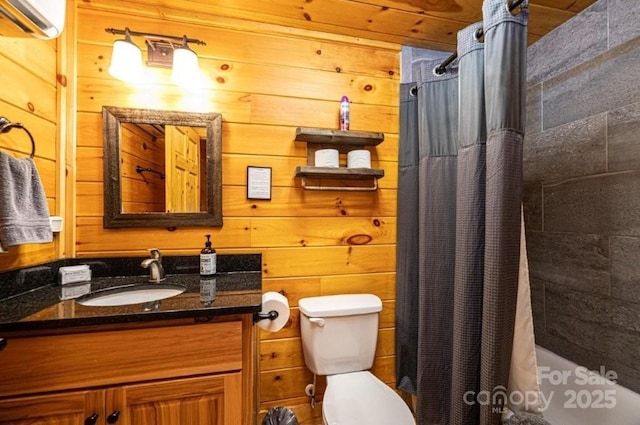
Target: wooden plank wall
[(30, 95), (265, 81)]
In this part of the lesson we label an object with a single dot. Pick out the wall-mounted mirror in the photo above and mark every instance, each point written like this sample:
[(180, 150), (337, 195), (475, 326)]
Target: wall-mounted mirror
[(161, 168)]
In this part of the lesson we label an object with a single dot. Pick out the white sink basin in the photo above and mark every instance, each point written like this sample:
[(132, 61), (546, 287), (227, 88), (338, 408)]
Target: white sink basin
[(130, 294)]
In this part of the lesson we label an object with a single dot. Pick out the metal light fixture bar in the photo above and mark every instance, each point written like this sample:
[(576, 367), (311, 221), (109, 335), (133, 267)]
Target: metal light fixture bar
[(180, 39)]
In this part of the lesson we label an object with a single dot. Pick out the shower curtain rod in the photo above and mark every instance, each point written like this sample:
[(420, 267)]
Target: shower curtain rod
[(442, 68)]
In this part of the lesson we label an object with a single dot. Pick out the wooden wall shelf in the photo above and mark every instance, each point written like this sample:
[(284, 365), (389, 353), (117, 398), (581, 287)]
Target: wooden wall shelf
[(343, 141), (339, 137), (340, 173)]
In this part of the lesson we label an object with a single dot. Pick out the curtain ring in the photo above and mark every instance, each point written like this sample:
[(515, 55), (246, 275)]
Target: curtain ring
[(512, 5), (413, 91), (479, 35), (439, 70)]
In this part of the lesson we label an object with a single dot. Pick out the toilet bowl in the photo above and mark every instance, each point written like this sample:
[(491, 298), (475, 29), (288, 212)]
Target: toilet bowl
[(339, 336), (361, 398)]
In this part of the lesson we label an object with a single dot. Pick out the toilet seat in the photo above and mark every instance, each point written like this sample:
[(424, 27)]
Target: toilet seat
[(359, 398)]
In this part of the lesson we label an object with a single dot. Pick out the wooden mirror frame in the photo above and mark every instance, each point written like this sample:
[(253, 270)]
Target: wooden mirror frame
[(112, 117)]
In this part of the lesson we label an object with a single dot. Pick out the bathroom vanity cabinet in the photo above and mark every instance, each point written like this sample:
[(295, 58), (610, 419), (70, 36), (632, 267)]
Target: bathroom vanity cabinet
[(177, 372)]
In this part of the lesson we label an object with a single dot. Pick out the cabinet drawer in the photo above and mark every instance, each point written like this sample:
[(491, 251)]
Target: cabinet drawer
[(51, 363)]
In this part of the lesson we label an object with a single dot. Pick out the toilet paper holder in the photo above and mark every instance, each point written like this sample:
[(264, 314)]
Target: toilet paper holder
[(272, 315)]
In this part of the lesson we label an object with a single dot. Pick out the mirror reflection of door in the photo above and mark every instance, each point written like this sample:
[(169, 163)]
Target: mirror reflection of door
[(182, 165), (163, 168)]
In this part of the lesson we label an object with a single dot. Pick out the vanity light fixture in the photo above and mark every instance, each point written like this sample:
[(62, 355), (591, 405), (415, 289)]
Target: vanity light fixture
[(126, 60), (163, 51)]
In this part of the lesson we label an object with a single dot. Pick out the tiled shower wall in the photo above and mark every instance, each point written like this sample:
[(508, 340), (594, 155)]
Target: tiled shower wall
[(582, 188)]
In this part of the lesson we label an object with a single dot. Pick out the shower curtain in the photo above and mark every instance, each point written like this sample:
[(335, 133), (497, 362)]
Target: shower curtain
[(459, 224)]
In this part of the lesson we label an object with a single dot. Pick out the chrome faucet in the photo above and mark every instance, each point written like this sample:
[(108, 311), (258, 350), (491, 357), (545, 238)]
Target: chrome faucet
[(154, 264)]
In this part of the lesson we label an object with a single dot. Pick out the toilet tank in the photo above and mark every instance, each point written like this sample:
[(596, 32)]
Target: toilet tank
[(339, 332)]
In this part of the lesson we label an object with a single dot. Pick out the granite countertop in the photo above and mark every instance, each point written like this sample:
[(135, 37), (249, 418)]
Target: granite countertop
[(42, 307)]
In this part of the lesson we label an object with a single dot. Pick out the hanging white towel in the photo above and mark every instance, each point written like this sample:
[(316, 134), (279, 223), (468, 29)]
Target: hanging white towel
[(24, 215)]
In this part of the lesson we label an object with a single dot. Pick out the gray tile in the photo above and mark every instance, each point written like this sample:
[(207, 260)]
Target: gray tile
[(610, 328), (532, 206), (624, 16), (625, 268), (593, 309), (606, 82), (406, 56), (410, 55), (571, 260), (607, 204), (623, 137), (534, 109), (540, 337), (628, 375), (572, 43), (575, 149)]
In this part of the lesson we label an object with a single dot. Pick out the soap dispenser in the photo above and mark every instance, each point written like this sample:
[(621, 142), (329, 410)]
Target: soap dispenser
[(207, 259)]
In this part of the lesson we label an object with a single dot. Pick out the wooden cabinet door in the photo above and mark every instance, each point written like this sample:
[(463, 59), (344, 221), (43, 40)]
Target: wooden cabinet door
[(207, 400), (68, 408)]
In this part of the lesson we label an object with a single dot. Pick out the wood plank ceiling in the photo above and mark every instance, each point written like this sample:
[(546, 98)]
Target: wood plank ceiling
[(429, 24)]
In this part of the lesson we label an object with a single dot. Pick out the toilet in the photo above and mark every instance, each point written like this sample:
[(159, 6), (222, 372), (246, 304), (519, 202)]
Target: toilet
[(339, 336)]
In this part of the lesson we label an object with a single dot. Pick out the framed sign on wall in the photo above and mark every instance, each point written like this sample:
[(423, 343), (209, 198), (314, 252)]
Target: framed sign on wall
[(258, 182)]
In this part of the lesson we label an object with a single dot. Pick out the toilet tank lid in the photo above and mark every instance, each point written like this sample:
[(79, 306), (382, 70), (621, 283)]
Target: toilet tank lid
[(340, 305)]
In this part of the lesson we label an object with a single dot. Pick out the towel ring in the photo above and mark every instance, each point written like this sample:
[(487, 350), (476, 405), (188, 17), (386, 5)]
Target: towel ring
[(6, 126)]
